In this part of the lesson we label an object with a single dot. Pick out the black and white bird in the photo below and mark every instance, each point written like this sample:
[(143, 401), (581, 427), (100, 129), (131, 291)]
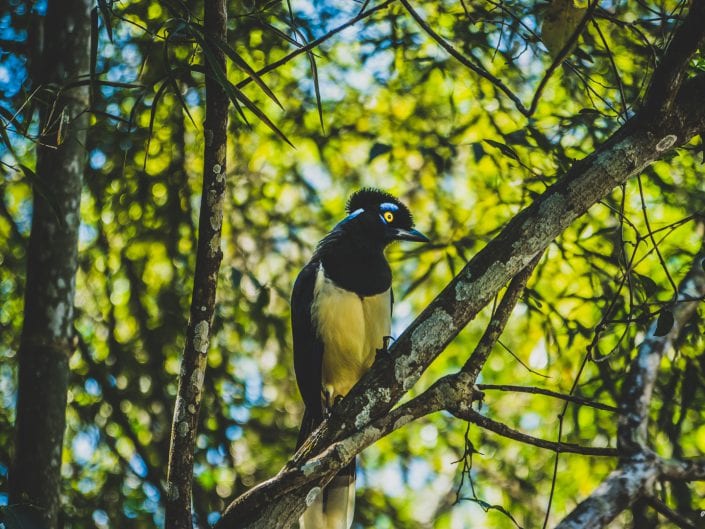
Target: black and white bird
[(341, 312)]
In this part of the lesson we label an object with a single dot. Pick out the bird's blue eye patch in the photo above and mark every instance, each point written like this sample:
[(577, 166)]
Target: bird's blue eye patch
[(387, 211), (352, 216)]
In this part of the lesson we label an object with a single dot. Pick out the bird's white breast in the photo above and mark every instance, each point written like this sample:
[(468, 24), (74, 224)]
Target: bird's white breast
[(352, 329)]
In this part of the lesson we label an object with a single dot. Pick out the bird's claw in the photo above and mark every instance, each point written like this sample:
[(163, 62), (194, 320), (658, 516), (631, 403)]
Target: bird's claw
[(384, 350)]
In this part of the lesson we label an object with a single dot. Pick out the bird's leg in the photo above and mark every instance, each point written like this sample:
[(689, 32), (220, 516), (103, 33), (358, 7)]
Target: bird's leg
[(326, 401), (327, 404)]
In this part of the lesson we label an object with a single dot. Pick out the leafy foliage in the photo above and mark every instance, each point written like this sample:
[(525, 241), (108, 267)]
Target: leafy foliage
[(385, 104)]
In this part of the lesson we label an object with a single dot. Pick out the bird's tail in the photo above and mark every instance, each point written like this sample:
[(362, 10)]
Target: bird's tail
[(334, 507)]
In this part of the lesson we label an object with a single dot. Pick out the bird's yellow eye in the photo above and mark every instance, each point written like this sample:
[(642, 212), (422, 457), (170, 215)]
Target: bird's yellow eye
[(388, 216)]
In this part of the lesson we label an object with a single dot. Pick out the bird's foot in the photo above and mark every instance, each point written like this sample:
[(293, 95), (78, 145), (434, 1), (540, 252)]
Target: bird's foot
[(384, 350), (327, 404)]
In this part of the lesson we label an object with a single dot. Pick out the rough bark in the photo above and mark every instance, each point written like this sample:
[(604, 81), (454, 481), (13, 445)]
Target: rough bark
[(648, 136), (208, 258), (47, 337)]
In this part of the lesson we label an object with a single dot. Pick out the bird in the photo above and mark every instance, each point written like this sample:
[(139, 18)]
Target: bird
[(341, 313)]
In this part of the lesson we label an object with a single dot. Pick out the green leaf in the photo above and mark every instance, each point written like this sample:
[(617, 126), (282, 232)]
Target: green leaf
[(649, 285), (316, 87), (242, 65), (235, 95), (99, 82), (378, 149), (6, 139), (235, 277), (205, 41), (665, 322), (152, 116), (477, 151), (507, 150), (173, 81)]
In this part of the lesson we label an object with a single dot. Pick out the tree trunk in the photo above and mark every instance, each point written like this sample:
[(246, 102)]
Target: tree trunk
[(47, 335), (208, 258)]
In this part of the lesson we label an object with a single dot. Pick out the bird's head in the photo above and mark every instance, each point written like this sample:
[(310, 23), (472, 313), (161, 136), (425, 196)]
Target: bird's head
[(379, 218)]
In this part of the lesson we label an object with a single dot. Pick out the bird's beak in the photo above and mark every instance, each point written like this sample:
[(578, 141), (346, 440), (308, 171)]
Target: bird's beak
[(410, 235)]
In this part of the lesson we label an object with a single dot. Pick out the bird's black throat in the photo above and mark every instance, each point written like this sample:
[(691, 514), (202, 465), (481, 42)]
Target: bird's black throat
[(354, 262)]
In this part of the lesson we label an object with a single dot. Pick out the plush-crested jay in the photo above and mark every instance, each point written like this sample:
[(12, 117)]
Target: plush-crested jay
[(341, 312)]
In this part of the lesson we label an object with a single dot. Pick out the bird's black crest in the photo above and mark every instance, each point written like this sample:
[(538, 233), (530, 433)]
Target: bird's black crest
[(370, 197)]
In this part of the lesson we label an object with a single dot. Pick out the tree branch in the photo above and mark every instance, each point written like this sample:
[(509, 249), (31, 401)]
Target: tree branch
[(617, 492), (639, 470), (475, 417), (663, 509), (683, 469), (208, 258), (548, 393), (672, 70)]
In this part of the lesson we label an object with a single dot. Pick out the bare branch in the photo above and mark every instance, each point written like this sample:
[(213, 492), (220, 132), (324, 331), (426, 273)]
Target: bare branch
[(663, 509), (548, 393), (617, 492), (505, 431), (683, 469)]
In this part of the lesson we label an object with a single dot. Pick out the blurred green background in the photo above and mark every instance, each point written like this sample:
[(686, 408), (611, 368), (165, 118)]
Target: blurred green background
[(396, 112)]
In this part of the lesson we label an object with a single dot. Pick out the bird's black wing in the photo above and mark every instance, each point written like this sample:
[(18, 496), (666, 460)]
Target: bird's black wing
[(308, 348)]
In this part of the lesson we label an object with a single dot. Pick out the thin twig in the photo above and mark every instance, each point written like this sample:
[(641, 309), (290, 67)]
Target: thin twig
[(562, 55), (620, 85), (675, 517), (549, 393), (464, 60), (317, 42), (521, 362), (558, 447), (653, 239)]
